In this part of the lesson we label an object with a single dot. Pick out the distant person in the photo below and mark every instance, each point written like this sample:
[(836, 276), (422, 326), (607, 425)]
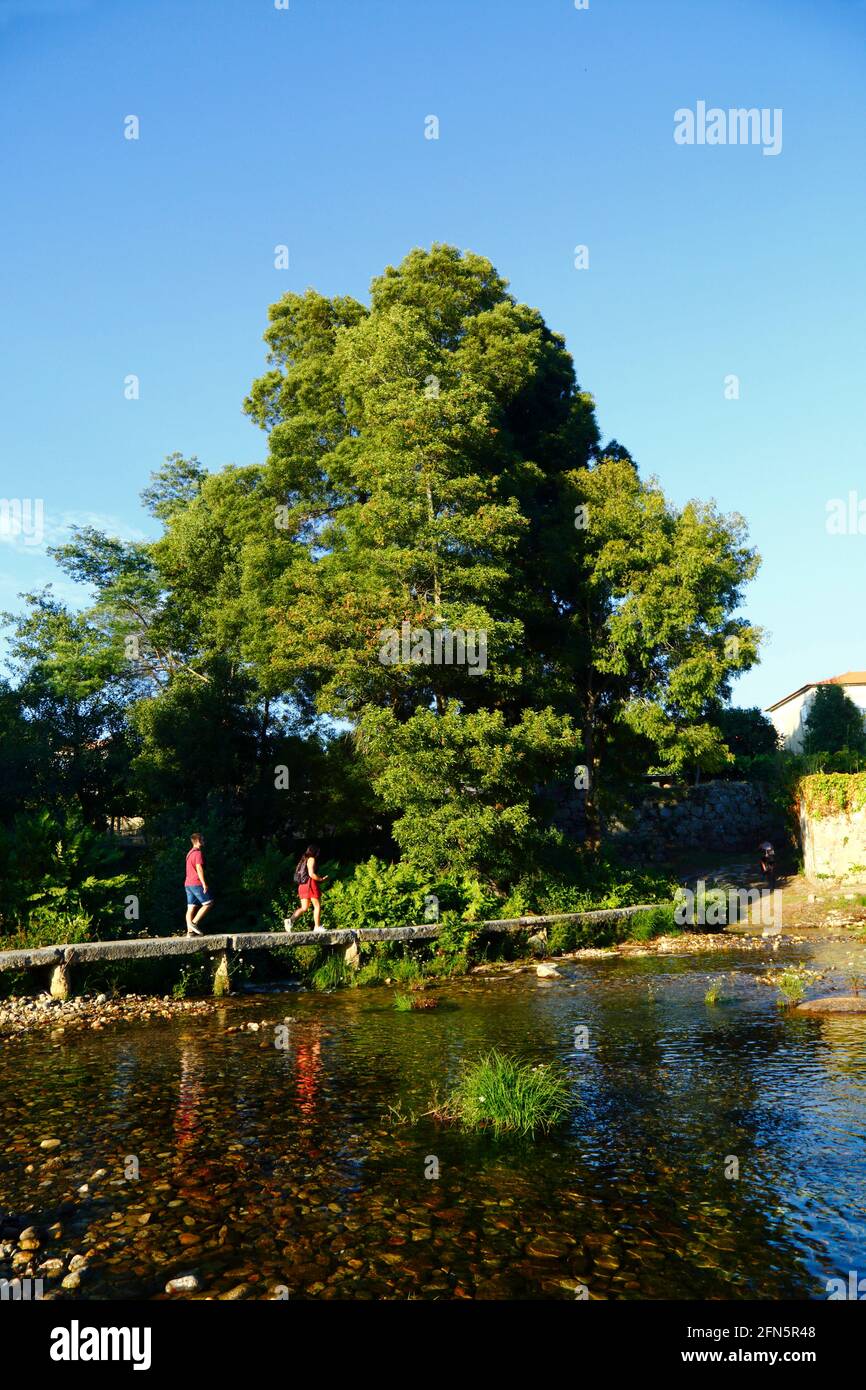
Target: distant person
[(308, 878), (768, 863), (198, 898)]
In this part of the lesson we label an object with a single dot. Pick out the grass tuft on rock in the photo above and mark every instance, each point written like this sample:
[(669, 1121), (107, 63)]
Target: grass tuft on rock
[(507, 1096)]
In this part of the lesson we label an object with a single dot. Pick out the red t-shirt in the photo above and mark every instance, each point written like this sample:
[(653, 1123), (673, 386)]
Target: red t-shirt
[(192, 879)]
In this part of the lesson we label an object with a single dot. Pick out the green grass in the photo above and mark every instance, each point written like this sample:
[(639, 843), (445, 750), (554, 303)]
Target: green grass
[(791, 985), (402, 1002), (656, 921), (713, 993), (331, 973), (507, 1096)]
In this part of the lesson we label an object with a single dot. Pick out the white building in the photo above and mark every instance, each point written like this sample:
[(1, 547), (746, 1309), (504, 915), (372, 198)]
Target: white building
[(790, 715)]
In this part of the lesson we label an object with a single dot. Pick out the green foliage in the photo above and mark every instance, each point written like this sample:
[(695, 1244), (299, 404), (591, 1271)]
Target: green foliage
[(791, 985), (750, 735), (713, 994), (462, 784), (377, 895), (831, 793), (454, 945), (46, 926), (194, 980), (331, 973), (661, 644), (707, 911), (507, 1096), (428, 453), (834, 723), (657, 921), (588, 881), (58, 873), (402, 1002)]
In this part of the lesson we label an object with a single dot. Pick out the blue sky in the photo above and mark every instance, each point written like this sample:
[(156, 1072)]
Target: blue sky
[(305, 126)]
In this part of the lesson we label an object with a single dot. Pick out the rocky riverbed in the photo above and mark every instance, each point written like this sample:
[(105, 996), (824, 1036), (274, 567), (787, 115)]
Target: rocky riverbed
[(204, 1159), (23, 1014)]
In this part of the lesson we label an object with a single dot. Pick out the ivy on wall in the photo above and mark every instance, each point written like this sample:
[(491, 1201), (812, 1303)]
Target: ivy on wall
[(830, 793)]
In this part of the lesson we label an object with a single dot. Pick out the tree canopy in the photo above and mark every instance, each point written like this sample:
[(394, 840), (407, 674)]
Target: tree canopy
[(438, 594), (834, 723)]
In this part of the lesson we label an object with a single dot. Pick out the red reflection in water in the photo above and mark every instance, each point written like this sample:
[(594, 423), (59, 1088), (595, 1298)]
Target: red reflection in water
[(187, 1122), (308, 1076)]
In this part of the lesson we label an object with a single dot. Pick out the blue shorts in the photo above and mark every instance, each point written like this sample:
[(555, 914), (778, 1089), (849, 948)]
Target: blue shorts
[(198, 895)]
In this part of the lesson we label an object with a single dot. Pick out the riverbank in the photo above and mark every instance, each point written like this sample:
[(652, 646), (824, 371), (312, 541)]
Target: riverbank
[(22, 1015)]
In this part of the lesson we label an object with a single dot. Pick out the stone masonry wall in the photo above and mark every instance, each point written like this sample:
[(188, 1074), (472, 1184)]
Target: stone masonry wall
[(717, 817)]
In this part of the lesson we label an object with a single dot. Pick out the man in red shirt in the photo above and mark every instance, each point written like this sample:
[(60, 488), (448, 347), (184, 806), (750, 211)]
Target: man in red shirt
[(198, 898)]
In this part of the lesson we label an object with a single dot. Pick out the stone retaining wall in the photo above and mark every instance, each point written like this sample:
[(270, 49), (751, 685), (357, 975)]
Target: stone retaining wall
[(834, 846), (715, 817)]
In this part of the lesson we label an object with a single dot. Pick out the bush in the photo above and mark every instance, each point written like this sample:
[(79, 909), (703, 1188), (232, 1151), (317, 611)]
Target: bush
[(48, 927), (377, 895), (331, 973), (589, 881), (57, 872)]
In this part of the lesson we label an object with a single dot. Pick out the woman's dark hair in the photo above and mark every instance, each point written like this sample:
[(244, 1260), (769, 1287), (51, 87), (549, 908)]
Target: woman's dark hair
[(312, 851)]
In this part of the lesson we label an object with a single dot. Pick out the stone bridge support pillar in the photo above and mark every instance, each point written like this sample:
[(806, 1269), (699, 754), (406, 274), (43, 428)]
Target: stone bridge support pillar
[(222, 983), (60, 984)]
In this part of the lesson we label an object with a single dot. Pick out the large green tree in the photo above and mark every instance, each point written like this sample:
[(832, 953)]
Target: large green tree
[(434, 469)]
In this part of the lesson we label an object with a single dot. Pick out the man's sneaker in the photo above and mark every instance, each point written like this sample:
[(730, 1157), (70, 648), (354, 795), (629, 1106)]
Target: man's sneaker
[(193, 931)]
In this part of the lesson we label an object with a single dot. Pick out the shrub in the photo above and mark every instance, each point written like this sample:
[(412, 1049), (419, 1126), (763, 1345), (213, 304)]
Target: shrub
[(377, 895), (57, 871)]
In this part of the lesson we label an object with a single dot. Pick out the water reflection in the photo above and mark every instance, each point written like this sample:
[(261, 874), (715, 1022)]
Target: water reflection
[(275, 1166)]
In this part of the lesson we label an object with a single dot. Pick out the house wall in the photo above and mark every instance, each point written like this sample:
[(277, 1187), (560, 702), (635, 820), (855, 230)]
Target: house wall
[(790, 718)]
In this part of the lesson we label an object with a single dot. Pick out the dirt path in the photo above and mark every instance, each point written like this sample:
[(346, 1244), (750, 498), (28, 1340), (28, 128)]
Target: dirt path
[(827, 911)]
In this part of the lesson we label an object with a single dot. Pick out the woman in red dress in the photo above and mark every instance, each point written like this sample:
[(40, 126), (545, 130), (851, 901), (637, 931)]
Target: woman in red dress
[(308, 878)]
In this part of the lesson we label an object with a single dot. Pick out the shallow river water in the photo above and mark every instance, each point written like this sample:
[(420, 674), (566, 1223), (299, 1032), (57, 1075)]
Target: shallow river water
[(281, 1168)]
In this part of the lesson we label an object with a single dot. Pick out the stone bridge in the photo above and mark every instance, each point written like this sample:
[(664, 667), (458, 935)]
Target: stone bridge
[(60, 960)]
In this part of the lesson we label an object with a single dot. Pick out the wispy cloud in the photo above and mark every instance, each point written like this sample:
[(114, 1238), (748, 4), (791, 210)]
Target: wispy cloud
[(58, 527)]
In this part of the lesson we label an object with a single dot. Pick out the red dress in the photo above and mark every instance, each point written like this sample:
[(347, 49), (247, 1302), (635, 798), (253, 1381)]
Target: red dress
[(310, 889)]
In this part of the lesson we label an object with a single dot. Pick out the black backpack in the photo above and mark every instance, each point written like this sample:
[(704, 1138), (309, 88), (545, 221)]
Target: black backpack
[(301, 874)]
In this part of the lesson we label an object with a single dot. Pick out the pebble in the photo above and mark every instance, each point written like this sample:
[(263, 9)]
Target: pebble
[(184, 1283)]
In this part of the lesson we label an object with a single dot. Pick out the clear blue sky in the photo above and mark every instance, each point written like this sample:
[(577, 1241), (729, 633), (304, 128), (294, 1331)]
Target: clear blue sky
[(306, 127)]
